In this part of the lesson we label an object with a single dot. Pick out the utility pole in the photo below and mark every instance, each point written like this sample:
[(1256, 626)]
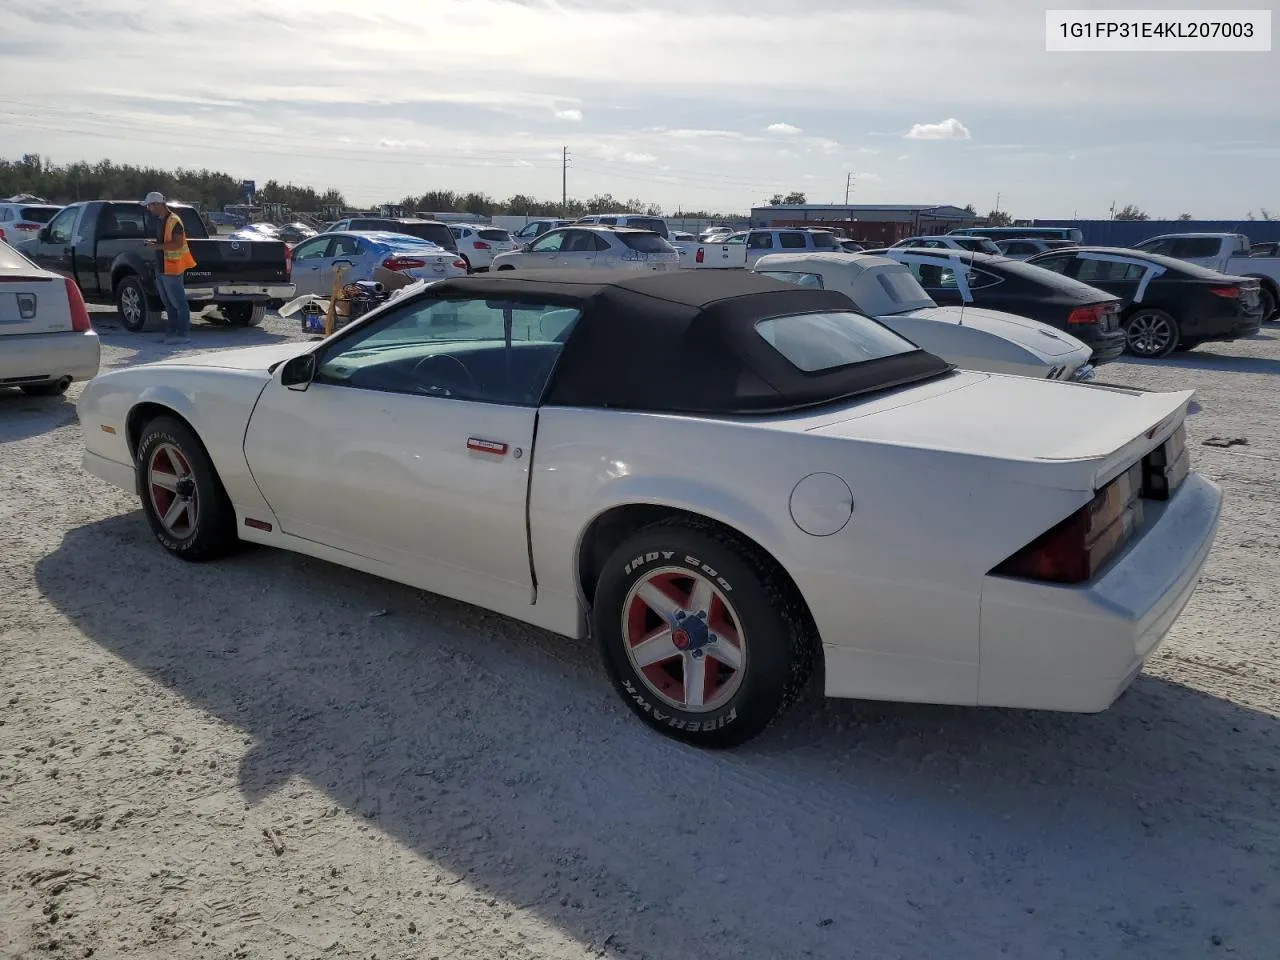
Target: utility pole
[(848, 185), (564, 182), (997, 201)]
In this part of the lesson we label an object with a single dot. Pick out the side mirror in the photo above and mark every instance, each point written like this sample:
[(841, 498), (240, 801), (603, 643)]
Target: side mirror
[(299, 372), (526, 247)]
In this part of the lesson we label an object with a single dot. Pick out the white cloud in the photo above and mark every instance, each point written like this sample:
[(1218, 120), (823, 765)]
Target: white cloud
[(570, 114), (949, 129), (782, 129)]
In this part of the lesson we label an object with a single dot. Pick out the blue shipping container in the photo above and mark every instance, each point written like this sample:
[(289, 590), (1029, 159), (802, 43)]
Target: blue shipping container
[(1125, 233)]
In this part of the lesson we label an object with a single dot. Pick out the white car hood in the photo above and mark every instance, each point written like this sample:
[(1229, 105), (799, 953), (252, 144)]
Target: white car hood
[(1036, 336), (248, 358)]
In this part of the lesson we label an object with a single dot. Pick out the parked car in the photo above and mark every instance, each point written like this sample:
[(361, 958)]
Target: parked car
[(740, 250), (24, 221), (1074, 234), (46, 339), (851, 246), (728, 477), (1168, 304), (295, 232), (971, 338), (536, 228), (712, 234), (1025, 249), (478, 243), (1270, 248), (102, 246), (680, 236), (633, 220), (975, 244), (591, 247), (953, 277), (434, 230), (361, 252), (1229, 253)]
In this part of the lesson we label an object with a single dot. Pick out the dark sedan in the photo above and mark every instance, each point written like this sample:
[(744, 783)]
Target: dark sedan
[(1168, 304), (1087, 313)]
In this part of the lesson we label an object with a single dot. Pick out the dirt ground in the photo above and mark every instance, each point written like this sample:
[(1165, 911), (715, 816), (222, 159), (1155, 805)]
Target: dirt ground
[(275, 758)]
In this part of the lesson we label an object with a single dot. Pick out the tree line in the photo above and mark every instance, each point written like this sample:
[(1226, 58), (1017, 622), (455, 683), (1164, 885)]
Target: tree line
[(214, 189)]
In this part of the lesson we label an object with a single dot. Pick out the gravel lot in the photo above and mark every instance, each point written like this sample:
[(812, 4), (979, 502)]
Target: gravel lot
[(449, 784)]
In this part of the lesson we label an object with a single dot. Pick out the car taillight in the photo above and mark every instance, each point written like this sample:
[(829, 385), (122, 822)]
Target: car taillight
[(80, 322), (481, 245), (1, 233), (27, 226), (1230, 293), (700, 256), (460, 264), (403, 263), (1079, 546), (1090, 314)]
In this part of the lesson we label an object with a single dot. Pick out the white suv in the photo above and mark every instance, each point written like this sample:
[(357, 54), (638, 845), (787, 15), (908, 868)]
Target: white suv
[(588, 247), (951, 242), (24, 221), (479, 243)]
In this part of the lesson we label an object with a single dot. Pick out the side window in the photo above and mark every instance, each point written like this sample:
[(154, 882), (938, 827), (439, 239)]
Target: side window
[(122, 221), (1058, 264), (932, 275), (980, 279), (1164, 246), (61, 225), (453, 349), (760, 241), (791, 241), (345, 246), (1019, 247), (599, 243), (608, 221), (1109, 271), (1191, 248), (312, 249), (579, 241), (549, 242)]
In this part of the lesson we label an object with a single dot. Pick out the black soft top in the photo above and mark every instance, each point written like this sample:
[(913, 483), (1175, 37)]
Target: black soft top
[(685, 342)]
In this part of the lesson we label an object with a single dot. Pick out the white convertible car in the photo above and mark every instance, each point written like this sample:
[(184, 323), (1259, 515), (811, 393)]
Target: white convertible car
[(723, 477), (970, 337)]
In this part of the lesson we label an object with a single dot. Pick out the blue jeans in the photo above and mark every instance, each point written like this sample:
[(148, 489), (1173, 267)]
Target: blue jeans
[(174, 296)]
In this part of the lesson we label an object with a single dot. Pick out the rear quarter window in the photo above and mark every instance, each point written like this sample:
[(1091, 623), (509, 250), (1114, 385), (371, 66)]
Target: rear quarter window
[(817, 342), (1195, 247), (38, 214), (825, 241)]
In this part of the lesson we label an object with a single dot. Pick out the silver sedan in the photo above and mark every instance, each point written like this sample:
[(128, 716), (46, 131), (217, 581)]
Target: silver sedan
[(360, 254)]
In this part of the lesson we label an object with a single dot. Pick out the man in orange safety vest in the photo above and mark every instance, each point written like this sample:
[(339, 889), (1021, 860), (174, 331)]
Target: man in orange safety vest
[(176, 260)]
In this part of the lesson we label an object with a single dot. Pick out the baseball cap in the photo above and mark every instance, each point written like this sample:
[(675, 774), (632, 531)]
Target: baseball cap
[(153, 197)]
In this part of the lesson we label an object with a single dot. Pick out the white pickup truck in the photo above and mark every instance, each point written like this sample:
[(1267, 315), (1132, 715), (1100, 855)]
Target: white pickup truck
[(1225, 252)]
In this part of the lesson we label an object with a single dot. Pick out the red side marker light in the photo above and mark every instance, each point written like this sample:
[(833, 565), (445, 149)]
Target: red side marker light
[(257, 524)]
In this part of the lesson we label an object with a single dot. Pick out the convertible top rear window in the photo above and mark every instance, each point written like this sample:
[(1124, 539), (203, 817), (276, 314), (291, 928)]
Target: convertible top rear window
[(825, 341)]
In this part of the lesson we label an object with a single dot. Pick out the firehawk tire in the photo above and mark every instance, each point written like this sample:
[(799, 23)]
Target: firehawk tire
[(184, 501), (700, 634)]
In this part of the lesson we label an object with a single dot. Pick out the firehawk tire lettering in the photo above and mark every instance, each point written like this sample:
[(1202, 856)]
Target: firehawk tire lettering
[(777, 633)]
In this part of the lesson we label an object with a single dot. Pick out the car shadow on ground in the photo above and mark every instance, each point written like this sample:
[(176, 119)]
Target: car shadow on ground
[(23, 417), (1202, 359), (499, 751)]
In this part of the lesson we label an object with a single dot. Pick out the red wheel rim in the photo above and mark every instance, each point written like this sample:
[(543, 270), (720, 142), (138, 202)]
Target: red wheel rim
[(684, 639), (171, 484)]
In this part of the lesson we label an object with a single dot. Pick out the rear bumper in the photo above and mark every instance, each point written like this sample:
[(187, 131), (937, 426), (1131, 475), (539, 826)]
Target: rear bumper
[(1106, 346), (1223, 326), (241, 292), (44, 357), (1078, 648)]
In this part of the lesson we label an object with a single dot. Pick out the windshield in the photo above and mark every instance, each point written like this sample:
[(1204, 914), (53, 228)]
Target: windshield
[(815, 342)]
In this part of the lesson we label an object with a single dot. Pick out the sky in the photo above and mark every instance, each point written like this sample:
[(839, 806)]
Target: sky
[(689, 104)]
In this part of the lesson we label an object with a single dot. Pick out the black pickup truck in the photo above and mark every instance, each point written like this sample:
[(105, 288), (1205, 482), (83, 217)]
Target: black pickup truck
[(101, 245)]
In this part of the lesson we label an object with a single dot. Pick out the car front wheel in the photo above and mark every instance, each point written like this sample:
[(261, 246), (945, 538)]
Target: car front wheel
[(183, 498), (700, 634), (1151, 334)]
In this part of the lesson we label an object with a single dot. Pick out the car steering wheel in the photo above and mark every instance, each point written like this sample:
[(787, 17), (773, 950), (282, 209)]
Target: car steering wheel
[(442, 383)]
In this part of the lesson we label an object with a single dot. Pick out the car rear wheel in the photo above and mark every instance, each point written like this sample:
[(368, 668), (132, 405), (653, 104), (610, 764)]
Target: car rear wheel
[(701, 635), (1151, 333), (134, 306), (244, 314), (1268, 302), (184, 501)]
